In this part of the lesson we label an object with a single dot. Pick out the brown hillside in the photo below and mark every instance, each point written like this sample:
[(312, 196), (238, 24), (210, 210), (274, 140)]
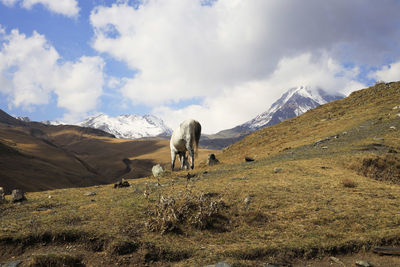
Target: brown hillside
[(38, 157)]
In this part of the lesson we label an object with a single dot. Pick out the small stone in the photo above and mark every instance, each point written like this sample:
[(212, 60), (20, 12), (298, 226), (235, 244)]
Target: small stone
[(212, 160), (89, 194), (396, 107), (336, 260), (324, 147), (398, 115), (12, 264), (364, 264), (344, 133), (50, 196), (122, 183), (247, 200), (17, 196), (393, 127), (276, 170), (157, 170), (248, 159)]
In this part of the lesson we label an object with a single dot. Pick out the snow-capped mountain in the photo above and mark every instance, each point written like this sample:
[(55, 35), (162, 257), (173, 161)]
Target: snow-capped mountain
[(294, 102), (24, 119), (128, 126)]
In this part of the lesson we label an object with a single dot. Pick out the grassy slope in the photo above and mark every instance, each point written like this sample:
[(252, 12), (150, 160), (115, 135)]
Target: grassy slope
[(304, 210)]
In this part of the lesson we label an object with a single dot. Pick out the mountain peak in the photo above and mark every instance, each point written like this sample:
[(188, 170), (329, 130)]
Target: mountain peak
[(292, 103)]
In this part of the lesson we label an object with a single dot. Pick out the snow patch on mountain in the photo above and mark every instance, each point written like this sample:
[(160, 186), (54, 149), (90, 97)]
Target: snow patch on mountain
[(128, 126)]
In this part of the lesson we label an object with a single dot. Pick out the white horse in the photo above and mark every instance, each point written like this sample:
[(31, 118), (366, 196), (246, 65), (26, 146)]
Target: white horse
[(185, 138)]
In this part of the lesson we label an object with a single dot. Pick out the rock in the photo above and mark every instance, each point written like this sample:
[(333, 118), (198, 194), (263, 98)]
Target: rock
[(212, 160), (398, 115), (324, 147), (393, 127), (322, 141), (396, 107), (276, 170), (248, 159), (364, 264), (2, 197), (89, 194), (122, 183), (17, 196), (157, 170), (12, 264), (336, 260)]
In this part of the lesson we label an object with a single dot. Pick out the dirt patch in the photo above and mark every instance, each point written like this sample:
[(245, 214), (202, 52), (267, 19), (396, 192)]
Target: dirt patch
[(381, 168)]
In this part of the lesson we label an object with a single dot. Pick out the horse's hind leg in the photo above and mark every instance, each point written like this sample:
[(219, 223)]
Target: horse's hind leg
[(173, 158), (191, 154)]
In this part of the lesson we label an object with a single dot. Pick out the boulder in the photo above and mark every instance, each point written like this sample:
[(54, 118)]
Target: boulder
[(248, 159), (157, 170), (17, 196), (122, 183), (212, 160)]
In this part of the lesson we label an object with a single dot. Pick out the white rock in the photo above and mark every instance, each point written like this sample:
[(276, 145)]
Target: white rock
[(157, 170)]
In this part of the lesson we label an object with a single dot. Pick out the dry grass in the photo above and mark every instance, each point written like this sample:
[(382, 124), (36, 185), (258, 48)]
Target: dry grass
[(308, 209)]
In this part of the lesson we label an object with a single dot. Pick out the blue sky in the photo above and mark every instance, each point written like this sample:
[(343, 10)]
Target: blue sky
[(221, 62)]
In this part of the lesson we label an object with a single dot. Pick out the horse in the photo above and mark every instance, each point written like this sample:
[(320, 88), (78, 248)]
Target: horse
[(185, 138)]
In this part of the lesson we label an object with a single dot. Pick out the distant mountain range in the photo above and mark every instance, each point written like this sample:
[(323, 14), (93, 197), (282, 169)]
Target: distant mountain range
[(125, 126), (129, 126), (294, 102)]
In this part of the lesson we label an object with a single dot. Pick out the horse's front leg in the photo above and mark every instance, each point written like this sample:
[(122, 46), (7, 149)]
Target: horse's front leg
[(173, 158)]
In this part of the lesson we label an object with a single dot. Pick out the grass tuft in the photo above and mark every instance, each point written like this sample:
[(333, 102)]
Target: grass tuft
[(49, 260)]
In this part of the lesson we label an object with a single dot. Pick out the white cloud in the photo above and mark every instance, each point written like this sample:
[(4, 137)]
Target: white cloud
[(67, 8), (183, 49), (231, 51), (233, 106), (9, 3), (30, 72), (387, 73)]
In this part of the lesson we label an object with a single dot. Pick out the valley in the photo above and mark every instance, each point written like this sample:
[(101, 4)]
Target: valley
[(323, 184)]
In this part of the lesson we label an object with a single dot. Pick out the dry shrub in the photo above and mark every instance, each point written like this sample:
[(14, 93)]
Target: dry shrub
[(203, 211), (349, 183), (385, 168)]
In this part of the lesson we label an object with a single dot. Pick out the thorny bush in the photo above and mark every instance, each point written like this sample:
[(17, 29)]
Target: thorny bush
[(200, 211)]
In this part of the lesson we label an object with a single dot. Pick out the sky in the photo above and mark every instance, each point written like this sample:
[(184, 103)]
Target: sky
[(221, 62)]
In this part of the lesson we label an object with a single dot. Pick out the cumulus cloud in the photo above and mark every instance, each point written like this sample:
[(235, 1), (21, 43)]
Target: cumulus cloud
[(387, 73), (227, 52), (67, 8), (31, 72)]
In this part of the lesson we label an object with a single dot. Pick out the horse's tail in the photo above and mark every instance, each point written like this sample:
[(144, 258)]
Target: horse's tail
[(196, 136)]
